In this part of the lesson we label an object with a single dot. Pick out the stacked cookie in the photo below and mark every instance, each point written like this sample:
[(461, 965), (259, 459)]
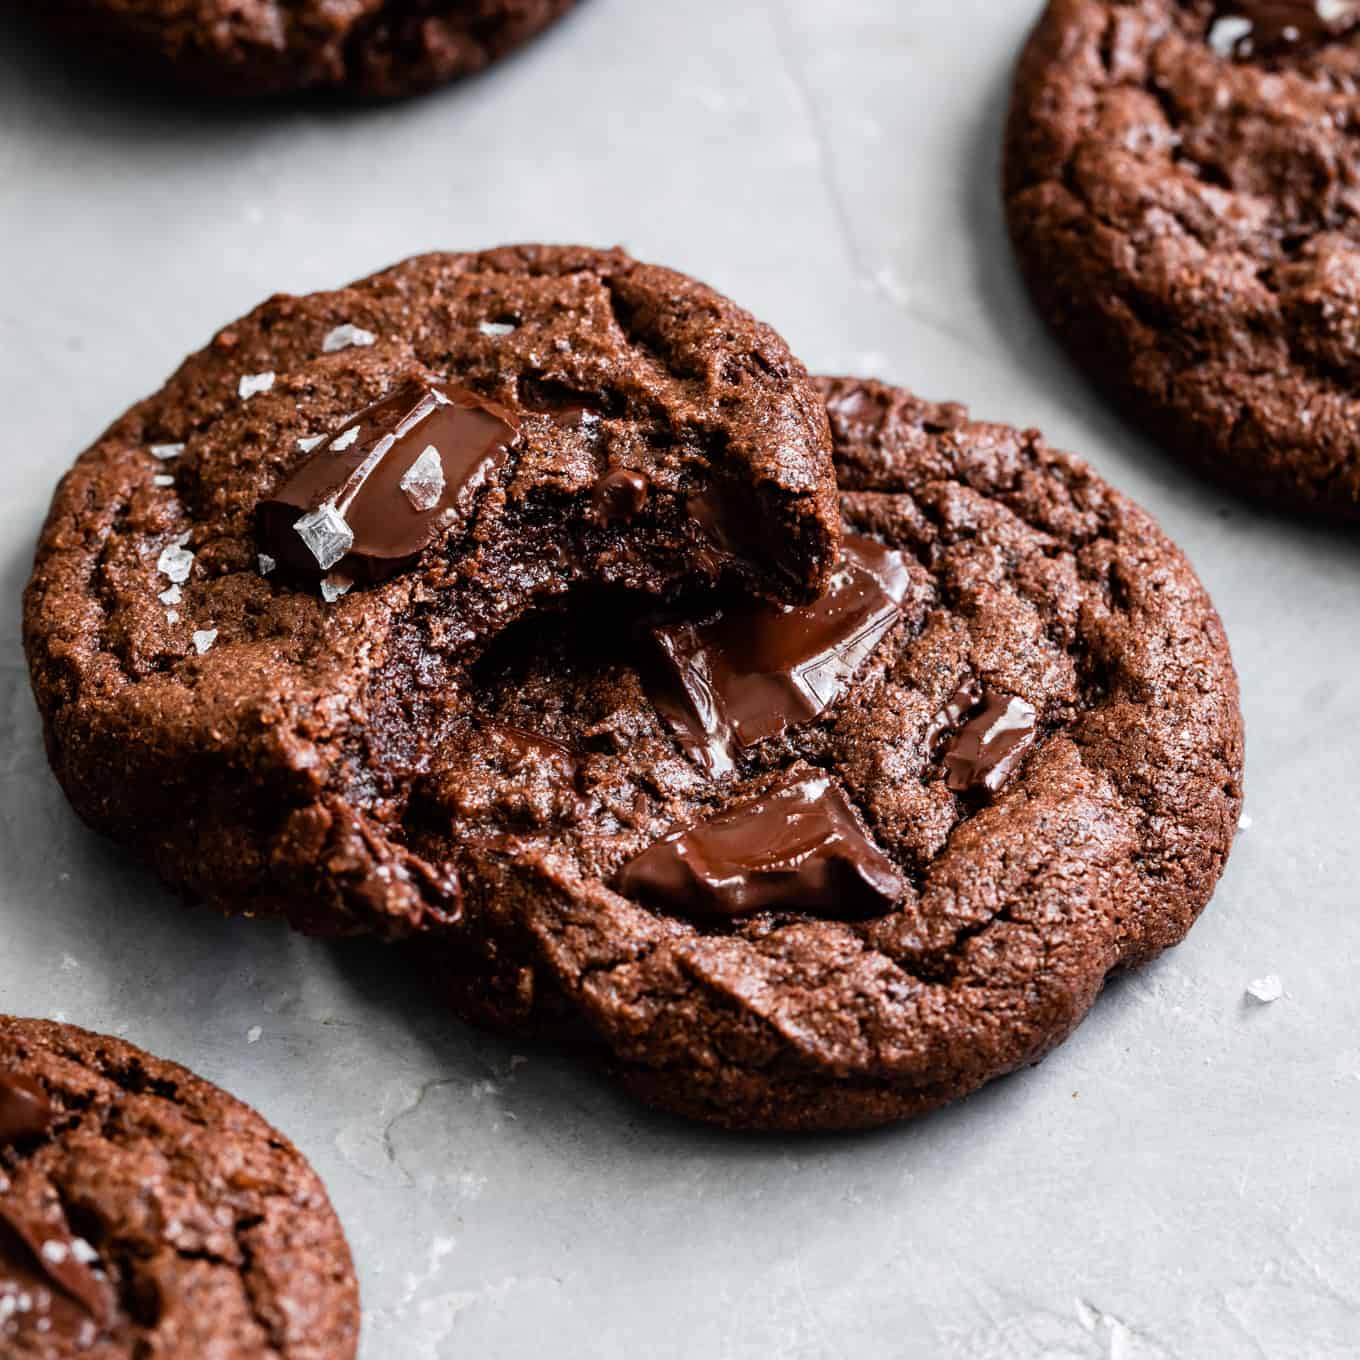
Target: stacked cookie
[(805, 752)]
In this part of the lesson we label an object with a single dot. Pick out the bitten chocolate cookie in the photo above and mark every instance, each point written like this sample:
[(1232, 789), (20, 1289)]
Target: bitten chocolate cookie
[(145, 1212), (1181, 184), (370, 48), (257, 598), (828, 866)]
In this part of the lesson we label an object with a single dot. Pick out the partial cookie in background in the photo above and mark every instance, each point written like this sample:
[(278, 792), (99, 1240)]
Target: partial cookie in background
[(369, 48), (145, 1212), (257, 597), (1182, 188), (832, 866)]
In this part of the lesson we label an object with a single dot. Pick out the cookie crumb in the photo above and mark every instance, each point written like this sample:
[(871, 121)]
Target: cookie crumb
[(1265, 990), (347, 337), (252, 384), (204, 639)]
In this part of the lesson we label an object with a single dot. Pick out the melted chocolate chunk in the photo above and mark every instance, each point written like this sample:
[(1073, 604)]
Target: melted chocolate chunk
[(963, 701), (43, 1262), (798, 847), (25, 1111), (988, 749), (1279, 27), (756, 670), (618, 496), (368, 501)]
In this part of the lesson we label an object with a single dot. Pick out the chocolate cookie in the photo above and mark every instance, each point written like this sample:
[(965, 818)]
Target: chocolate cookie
[(257, 598), (371, 48), (1181, 187), (828, 866), (145, 1212)]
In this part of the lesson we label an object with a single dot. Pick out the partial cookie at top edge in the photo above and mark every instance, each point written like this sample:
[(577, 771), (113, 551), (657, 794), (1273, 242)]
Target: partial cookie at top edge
[(1180, 192), (251, 48)]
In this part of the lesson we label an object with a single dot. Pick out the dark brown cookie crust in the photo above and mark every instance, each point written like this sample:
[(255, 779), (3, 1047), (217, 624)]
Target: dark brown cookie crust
[(382, 49), (214, 1235), (272, 772), (1028, 573), (1188, 223)]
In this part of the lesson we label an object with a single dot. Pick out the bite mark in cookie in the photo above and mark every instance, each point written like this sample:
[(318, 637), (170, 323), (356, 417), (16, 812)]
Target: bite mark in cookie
[(530, 428)]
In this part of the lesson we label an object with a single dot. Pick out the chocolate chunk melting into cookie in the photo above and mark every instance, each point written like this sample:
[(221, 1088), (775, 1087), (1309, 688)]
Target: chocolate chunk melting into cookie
[(756, 670), (619, 496), (369, 500), (1266, 28), (798, 848), (988, 748), (45, 1250), (25, 1111)]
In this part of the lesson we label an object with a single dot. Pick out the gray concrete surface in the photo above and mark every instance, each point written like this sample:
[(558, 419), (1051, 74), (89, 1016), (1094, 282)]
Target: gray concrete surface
[(1178, 1181)]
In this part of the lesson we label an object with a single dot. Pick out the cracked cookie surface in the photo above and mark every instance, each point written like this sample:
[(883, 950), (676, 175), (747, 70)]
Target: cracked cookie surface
[(1030, 861), (255, 729), (1183, 190), (372, 48), (145, 1212)]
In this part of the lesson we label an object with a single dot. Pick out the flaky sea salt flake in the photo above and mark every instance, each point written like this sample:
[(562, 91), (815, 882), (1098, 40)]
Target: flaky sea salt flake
[(171, 596), (307, 445), (204, 639), (162, 479), (252, 384), (175, 561), (327, 536), (165, 452), (347, 337), (334, 586), (343, 441), (496, 328), (253, 1034), (1265, 989), (172, 616), (1227, 32), (423, 481), (267, 563)]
